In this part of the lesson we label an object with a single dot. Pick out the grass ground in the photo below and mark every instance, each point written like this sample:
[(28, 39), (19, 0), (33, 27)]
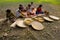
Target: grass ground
[(27, 1), (51, 31)]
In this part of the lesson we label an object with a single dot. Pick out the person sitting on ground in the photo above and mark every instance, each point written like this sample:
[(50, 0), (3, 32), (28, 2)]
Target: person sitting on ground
[(28, 7), (31, 12), (32, 5), (10, 16), (21, 8), (39, 10), (24, 13)]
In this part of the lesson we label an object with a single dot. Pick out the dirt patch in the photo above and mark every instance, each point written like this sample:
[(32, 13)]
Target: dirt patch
[(51, 31)]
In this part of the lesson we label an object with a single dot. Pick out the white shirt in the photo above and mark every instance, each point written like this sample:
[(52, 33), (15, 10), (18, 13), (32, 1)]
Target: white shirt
[(17, 13)]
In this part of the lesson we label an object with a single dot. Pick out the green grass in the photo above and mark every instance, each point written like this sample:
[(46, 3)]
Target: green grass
[(37, 1), (3, 2)]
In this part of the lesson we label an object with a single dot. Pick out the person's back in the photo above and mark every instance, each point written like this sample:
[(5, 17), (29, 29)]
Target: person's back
[(39, 10), (9, 15), (32, 5), (18, 13), (20, 9), (32, 12), (28, 7)]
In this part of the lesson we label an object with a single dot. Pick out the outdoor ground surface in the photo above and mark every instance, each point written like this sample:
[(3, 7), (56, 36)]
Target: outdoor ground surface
[(51, 31)]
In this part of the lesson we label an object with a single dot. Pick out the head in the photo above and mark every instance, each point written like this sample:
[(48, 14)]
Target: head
[(33, 8), (8, 11), (20, 5), (40, 5), (31, 3)]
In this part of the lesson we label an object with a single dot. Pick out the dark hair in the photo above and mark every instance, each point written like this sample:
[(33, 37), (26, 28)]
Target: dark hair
[(19, 8), (8, 10), (31, 2), (40, 5), (29, 5), (20, 5)]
